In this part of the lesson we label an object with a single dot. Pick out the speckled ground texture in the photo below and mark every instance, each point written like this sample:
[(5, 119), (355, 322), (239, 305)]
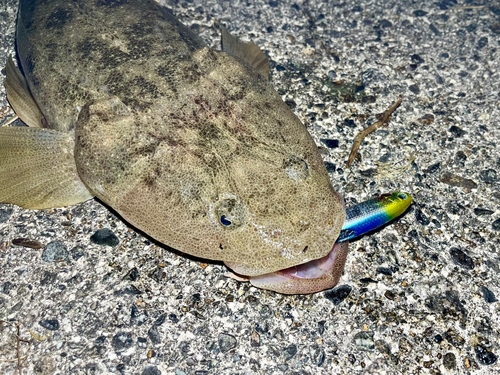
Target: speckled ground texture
[(417, 297)]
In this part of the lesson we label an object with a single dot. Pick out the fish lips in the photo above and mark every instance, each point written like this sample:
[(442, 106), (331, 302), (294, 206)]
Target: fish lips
[(311, 277)]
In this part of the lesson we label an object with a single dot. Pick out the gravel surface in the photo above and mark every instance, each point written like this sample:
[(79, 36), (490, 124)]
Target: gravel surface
[(90, 295)]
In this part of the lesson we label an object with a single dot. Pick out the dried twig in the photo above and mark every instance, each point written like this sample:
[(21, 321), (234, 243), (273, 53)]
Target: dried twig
[(19, 358), (359, 138)]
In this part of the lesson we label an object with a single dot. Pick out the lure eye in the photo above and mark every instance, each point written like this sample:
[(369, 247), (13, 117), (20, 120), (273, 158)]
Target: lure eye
[(230, 213), (402, 196), (296, 167)]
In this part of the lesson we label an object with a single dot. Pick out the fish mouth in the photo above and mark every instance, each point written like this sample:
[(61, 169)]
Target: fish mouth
[(311, 277)]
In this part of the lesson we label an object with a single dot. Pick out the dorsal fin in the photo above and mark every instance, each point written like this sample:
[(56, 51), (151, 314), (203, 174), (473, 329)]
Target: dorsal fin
[(249, 52), (20, 98)]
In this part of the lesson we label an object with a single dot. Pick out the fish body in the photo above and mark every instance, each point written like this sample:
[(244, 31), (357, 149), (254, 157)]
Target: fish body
[(191, 145)]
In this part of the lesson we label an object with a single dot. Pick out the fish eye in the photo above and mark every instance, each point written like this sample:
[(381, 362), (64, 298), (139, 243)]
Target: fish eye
[(402, 196), (230, 213), (296, 168), (224, 221)]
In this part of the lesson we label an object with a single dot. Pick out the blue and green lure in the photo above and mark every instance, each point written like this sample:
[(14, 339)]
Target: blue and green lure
[(374, 213)]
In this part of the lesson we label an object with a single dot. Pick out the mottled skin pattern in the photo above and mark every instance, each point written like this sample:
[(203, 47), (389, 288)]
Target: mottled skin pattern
[(190, 145)]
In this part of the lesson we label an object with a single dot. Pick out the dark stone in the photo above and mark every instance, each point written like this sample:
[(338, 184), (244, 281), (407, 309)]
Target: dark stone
[(462, 259), (280, 68), (226, 342), (438, 338), (449, 361), (330, 143), (385, 23), (55, 251), (330, 167), (137, 316), (434, 29), (332, 74), (132, 275), (484, 356), (161, 319), (489, 176), (100, 340), (154, 335), (121, 341), (290, 351), (364, 340), (488, 295), (414, 89), (456, 131), (321, 327), (496, 225), (384, 271), (454, 180), (105, 237), (420, 13), (482, 212), (7, 287), (433, 168), (338, 294), (151, 370), (417, 59), (421, 217), (5, 214), (77, 252), (50, 324), (142, 342), (173, 318), (273, 4), (130, 290), (349, 123), (367, 280), (446, 4), (372, 75), (482, 42)]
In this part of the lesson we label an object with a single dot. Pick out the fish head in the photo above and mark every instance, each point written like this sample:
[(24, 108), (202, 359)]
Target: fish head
[(224, 172)]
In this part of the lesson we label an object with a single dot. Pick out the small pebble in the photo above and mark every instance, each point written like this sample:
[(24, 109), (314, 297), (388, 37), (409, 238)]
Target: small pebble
[(488, 295), (496, 224), (290, 351), (77, 252), (482, 212), (364, 340), (226, 342), (338, 294), (154, 335), (50, 324), (484, 356), (450, 361), (454, 180), (462, 259), (421, 217), (121, 341), (420, 13), (151, 370), (489, 176), (330, 143), (105, 237), (456, 131), (55, 251), (5, 214)]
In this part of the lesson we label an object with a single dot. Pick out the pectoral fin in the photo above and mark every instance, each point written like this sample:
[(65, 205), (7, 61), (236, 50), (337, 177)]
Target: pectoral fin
[(248, 52), (38, 170), (20, 97)]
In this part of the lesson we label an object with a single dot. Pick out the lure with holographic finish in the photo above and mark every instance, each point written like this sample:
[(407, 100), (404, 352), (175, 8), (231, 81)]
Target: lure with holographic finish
[(370, 215)]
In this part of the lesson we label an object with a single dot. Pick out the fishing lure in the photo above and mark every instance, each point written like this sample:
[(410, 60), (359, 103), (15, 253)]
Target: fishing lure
[(370, 215)]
